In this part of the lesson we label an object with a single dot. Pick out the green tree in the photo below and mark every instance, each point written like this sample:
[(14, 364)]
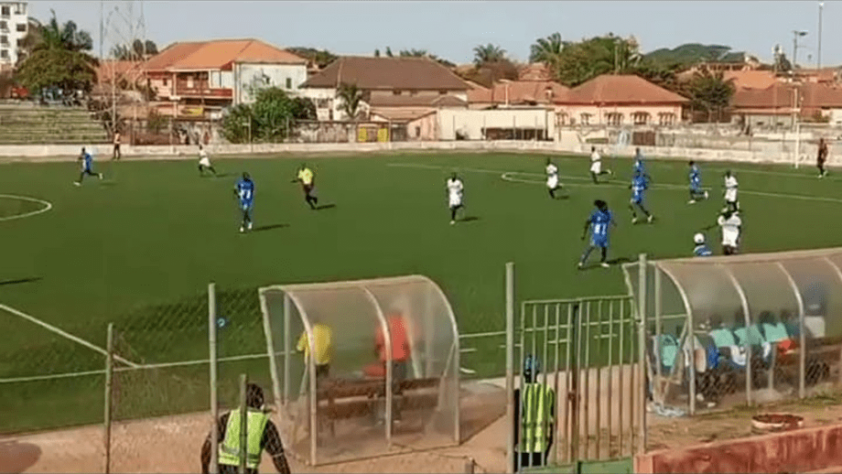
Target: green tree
[(389, 52), (546, 50), (351, 97), (59, 59), (710, 92), (269, 119), (488, 53), (376, 53), (582, 61), (136, 52), (318, 57)]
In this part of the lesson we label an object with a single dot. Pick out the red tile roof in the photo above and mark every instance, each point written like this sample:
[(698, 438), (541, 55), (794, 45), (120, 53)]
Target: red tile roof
[(534, 72), (751, 79), (619, 90), (813, 95), (416, 101), (388, 73), (128, 70), (217, 55), (519, 92)]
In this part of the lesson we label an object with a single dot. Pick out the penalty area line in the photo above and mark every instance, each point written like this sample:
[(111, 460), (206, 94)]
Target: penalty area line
[(62, 333), (47, 206)]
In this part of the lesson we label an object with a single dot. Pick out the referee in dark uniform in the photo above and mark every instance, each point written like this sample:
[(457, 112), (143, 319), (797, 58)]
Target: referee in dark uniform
[(262, 435)]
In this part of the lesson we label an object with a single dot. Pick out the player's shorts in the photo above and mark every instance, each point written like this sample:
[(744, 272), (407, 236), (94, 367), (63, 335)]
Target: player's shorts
[(636, 199), (246, 206), (205, 162), (454, 201), (596, 167), (599, 241), (729, 242), (552, 182), (695, 188), (730, 196)]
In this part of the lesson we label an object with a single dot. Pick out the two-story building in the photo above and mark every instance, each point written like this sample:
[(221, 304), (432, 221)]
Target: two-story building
[(202, 78), (619, 100), (401, 88), (14, 25)]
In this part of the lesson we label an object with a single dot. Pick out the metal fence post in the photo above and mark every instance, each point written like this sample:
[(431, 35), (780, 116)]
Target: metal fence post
[(641, 350), (109, 370), (510, 365), (214, 403), (244, 416)]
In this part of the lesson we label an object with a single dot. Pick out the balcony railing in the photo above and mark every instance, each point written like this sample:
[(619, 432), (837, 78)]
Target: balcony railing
[(204, 92)]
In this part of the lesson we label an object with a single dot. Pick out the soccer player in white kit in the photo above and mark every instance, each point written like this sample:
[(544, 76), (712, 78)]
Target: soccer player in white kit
[(731, 192), (731, 225), (455, 188), (204, 162), (596, 165), (552, 178)]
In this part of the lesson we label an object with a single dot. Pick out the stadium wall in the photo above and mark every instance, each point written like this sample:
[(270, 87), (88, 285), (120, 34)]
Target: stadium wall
[(768, 153), (803, 450)]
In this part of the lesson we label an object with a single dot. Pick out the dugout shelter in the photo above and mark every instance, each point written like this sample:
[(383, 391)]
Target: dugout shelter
[(741, 329), (368, 404)]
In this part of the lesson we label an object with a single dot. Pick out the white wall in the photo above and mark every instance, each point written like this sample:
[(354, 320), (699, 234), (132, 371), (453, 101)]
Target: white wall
[(277, 75), (471, 122), (325, 100)]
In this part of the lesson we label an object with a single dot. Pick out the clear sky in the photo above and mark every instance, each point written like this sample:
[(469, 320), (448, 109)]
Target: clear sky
[(451, 29)]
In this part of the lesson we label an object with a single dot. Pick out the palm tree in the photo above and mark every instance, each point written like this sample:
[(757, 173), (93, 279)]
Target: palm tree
[(546, 50), (711, 92), (488, 53), (67, 37), (414, 53), (351, 97)]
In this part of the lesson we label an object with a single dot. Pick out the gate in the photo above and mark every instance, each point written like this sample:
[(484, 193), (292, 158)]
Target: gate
[(588, 350)]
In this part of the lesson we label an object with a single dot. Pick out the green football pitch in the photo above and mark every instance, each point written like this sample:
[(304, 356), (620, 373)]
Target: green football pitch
[(138, 248)]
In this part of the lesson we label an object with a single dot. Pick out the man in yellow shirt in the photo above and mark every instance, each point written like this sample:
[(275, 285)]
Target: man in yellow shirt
[(323, 342), (307, 180)]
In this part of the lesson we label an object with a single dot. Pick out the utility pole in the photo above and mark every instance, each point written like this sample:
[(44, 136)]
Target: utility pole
[(795, 35), (819, 55)]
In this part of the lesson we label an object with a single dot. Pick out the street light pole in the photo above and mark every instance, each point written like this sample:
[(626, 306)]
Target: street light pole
[(819, 54), (795, 35)]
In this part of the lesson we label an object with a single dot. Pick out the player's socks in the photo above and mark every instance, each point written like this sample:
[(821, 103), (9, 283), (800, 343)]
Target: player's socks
[(453, 214), (593, 176), (604, 252)]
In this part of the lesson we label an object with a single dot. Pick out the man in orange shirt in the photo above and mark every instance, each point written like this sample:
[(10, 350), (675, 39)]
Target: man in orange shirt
[(400, 352)]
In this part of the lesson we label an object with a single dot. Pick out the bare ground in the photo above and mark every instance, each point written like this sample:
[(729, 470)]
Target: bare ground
[(172, 445)]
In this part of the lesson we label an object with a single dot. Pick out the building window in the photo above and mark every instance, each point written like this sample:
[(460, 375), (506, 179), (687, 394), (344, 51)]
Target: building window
[(666, 119), (21, 27), (397, 92), (5, 11), (19, 42), (641, 118), (442, 92), (4, 25), (4, 53), (417, 132), (322, 103), (289, 83), (20, 9), (615, 118), (165, 82), (4, 39), (585, 119)]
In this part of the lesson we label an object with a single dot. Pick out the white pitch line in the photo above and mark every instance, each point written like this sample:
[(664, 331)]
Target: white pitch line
[(506, 175), (51, 328), (47, 206)]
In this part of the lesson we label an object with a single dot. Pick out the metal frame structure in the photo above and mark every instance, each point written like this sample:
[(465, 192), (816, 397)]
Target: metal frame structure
[(780, 264), (292, 303)]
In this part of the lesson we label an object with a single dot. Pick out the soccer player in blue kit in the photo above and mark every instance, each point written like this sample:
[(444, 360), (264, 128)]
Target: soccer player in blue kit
[(245, 193), (696, 184), (598, 224), (639, 186), (87, 167)]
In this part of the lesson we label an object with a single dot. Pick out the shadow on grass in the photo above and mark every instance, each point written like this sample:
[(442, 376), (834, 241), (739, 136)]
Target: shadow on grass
[(19, 281), (562, 197), (262, 228), (324, 207), (469, 219)]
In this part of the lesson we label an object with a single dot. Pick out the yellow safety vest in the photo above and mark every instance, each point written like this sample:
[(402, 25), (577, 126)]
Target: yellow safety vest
[(229, 449), (306, 176), (536, 417)]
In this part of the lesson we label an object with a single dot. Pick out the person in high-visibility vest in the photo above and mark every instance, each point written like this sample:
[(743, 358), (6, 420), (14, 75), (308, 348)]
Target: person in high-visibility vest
[(308, 183), (534, 418), (262, 434)]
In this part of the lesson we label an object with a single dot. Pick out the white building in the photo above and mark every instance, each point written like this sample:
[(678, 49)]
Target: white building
[(14, 25)]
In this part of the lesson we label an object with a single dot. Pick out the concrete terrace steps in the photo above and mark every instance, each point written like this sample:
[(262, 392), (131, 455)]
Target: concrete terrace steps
[(29, 124)]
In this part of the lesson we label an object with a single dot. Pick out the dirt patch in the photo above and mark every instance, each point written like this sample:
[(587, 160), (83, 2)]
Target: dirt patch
[(173, 444), (735, 424)]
